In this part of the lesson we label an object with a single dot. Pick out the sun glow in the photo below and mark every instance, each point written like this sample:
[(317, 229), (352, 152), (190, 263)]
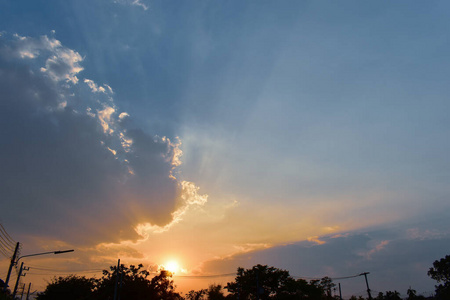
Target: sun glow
[(172, 266)]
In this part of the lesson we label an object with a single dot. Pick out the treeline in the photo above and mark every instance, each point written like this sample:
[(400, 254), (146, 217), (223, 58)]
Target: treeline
[(261, 282)]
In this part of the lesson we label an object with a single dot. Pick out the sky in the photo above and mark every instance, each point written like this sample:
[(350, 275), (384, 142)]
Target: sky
[(306, 135)]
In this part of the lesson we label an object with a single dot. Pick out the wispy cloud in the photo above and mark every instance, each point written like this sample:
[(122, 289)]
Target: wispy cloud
[(377, 248), (98, 89), (138, 3), (316, 240)]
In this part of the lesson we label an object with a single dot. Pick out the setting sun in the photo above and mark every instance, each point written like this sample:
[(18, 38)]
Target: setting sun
[(172, 266)]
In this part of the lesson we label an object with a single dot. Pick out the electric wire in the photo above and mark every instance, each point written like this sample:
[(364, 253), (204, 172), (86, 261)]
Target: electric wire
[(5, 242), (6, 251), (5, 254), (332, 278), (2, 247), (297, 277), (306, 278), (204, 276), (346, 277), (55, 272), (5, 233), (52, 271), (7, 245), (12, 278), (63, 270), (61, 273)]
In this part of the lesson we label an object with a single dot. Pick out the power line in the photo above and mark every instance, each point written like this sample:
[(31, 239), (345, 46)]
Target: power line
[(332, 278), (5, 243), (5, 254), (64, 270), (7, 250), (346, 277), (232, 274), (61, 273), (5, 233), (205, 276)]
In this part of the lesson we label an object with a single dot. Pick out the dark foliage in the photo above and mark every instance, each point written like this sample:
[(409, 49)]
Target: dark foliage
[(214, 292), (263, 282), (132, 284), (70, 288), (441, 273)]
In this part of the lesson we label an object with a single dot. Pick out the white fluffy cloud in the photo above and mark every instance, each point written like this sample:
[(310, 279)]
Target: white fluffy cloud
[(61, 65), (72, 168)]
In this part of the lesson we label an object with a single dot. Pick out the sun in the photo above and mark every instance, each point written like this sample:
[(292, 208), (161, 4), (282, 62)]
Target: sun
[(172, 266)]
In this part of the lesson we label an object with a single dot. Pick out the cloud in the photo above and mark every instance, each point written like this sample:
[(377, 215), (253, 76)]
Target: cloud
[(378, 247), (105, 117), (98, 89), (74, 167), (189, 197), (61, 63), (390, 254), (316, 240), (425, 234), (133, 2)]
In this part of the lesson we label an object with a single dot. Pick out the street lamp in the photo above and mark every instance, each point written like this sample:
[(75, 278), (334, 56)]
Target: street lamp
[(20, 257), (43, 253)]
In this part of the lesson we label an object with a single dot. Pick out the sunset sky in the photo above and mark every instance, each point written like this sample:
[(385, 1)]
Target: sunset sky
[(311, 136)]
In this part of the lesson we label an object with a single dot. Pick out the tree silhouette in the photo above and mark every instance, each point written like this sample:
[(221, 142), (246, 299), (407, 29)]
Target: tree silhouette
[(259, 282), (214, 292), (362, 298), (196, 295), (71, 288), (133, 284), (4, 295), (392, 295), (412, 295), (441, 273), (263, 282), (324, 285)]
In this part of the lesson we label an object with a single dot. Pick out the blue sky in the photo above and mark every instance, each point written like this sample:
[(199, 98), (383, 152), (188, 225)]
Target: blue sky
[(220, 129)]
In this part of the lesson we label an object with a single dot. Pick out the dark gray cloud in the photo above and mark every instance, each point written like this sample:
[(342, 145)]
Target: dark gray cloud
[(71, 168), (396, 258)]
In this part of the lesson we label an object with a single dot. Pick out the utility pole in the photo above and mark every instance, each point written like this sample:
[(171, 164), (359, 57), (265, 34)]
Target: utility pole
[(23, 291), (13, 262), (17, 281), (340, 292), (120, 285), (29, 287), (117, 280), (367, 284)]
